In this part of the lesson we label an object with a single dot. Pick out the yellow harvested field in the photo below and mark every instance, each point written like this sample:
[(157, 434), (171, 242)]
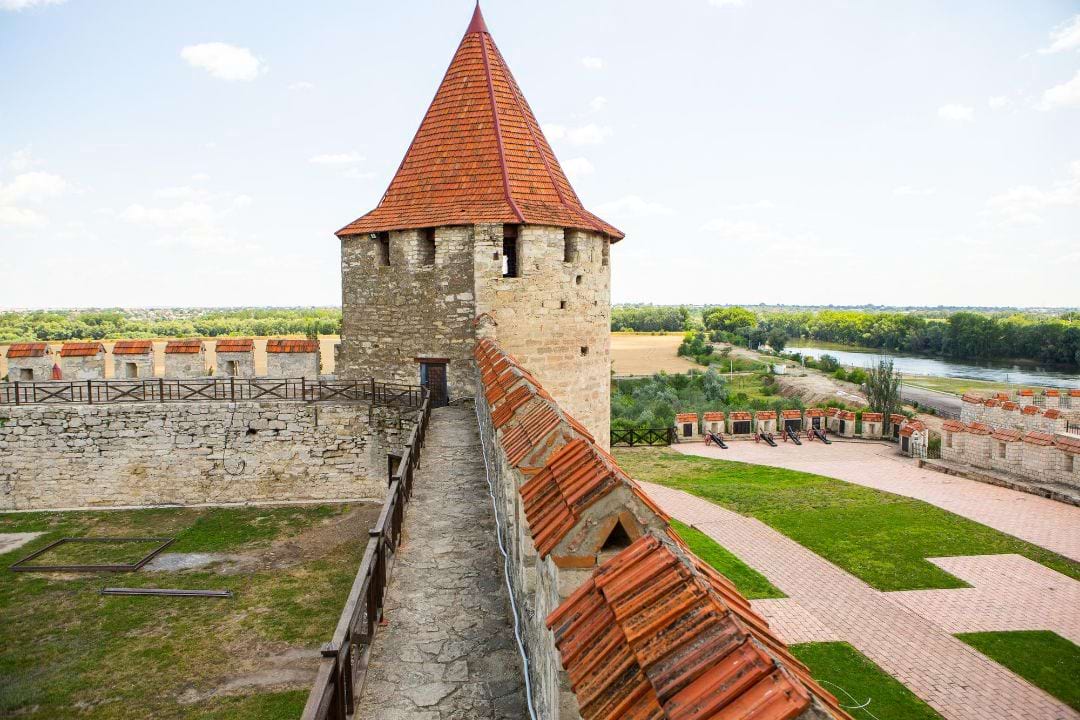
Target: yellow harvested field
[(641, 354)]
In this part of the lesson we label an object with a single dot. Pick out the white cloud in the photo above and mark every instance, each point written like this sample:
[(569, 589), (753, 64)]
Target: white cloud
[(200, 177), (224, 61), (592, 63), (20, 217), (302, 85), (954, 112), (591, 134), (242, 201), (23, 4), (578, 167), (174, 193), (1023, 204), (909, 191), (186, 215), (1067, 94), (354, 173), (755, 205), (598, 103), (22, 160), (632, 206), (33, 187), (998, 102), (349, 158), (1065, 36), (727, 3)]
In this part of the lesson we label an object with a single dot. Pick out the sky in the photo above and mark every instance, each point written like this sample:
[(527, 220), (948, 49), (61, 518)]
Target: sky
[(157, 154)]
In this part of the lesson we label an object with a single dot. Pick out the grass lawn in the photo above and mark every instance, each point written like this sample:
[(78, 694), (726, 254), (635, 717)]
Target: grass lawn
[(836, 664), (750, 582), (959, 386), (1043, 658), (877, 536), (67, 652)]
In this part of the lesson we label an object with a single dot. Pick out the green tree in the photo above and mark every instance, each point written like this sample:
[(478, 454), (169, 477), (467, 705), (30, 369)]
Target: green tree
[(728, 319), (883, 390)]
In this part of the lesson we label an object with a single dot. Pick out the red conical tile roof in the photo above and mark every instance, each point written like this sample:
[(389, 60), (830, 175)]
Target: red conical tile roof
[(479, 156)]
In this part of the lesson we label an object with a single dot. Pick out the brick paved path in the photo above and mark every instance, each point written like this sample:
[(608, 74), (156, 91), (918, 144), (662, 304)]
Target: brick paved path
[(955, 679), (1048, 523), (448, 652)]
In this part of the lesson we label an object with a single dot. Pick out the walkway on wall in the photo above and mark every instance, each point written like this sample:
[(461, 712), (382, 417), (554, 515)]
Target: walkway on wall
[(448, 650), (1047, 523)]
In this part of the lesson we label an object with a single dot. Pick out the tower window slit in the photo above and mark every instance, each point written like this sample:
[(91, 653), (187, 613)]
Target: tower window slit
[(427, 247), (511, 265), (382, 248)]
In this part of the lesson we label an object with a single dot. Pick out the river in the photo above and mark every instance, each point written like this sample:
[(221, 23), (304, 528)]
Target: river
[(1025, 374)]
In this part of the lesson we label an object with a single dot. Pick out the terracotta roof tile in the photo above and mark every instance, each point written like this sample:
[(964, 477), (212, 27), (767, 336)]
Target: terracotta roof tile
[(133, 347), (896, 418), (1009, 405), (814, 412), (479, 156), (1052, 393), (1031, 410), (1006, 434), (791, 415), (1067, 443), (686, 418), (713, 416), (1052, 414), (847, 415), (1075, 392), (740, 415), (276, 345), (81, 349), (656, 634), (1001, 396), (992, 402), (1036, 437), (765, 415), (911, 427), (1025, 392), (21, 350), (832, 412), (973, 398), (184, 347), (873, 417), (243, 345), (950, 426), (977, 428)]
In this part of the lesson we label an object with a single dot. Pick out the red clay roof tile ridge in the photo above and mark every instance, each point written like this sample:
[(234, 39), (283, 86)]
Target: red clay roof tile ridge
[(495, 110)]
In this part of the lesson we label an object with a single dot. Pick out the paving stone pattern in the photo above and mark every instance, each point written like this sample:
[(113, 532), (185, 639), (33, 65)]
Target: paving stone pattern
[(1048, 523), (448, 652), (955, 679)]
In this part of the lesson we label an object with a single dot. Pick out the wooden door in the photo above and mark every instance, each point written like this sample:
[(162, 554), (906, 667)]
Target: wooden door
[(433, 377)]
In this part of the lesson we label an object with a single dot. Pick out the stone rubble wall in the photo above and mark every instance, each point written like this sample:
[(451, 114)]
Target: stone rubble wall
[(185, 365), (245, 364), (83, 367), (41, 367), (143, 363), (293, 365), (65, 456), (1041, 463)]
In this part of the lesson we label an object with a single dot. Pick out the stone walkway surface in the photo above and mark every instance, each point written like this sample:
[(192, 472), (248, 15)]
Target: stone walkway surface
[(827, 603), (448, 652), (1047, 523)]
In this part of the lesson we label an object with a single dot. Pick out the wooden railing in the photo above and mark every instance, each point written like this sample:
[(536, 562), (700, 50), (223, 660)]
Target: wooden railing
[(225, 389), (344, 663), (651, 436)]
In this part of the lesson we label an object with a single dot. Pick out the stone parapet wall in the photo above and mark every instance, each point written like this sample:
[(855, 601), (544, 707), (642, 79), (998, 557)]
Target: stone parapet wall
[(144, 366), (186, 365), (244, 364), (54, 456), (293, 365), (40, 368), (91, 367)]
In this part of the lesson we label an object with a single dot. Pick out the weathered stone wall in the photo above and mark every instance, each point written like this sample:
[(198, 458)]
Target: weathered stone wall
[(39, 367), (556, 317), (185, 365), (144, 366), (83, 367), (394, 314), (245, 364), (293, 365), (188, 453)]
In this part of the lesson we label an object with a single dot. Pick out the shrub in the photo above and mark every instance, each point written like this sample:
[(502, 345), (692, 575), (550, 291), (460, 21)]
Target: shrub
[(828, 363)]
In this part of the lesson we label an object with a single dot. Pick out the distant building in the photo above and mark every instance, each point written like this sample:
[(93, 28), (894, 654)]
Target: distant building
[(29, 362), (234, 357), (686, 426), (292, 358), (82, 360), (185, 359), (133, 359)]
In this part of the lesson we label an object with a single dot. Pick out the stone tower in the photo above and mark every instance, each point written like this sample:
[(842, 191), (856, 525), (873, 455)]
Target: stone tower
[(480, 233)]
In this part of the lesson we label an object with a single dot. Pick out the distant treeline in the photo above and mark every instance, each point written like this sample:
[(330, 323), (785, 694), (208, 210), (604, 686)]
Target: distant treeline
[(959, 335), (113, 324)]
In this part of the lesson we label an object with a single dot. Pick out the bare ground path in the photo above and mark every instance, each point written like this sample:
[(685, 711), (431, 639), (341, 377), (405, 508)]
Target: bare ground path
[(827, 603), (448, 652), (1047, 523)]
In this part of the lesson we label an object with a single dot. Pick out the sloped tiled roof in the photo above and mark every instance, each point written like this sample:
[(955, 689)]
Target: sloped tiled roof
[(1051, 392), (133, 347), (184, 347), (949, 425), (1075, 392), (479, 156), (765, 415), (814, 412), (575, 476), (1025, 392), (896, 418), (225, 345), (24, 350), (1052, 414), (792, 415), (976, 428), (873, 417), (740, 415), (656, 634), (81, 349), (1006, 434), (686, 418), (713, 416), (847, 415), (1036, 437), (911, 427), (276, 345), (1031, 410), (972, 398), (1009, 405), (1067, 443)]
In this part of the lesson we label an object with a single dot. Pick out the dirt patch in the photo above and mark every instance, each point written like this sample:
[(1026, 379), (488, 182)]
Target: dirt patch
[(267, 670), (13, 541), (814, 388), (640, 354)]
